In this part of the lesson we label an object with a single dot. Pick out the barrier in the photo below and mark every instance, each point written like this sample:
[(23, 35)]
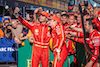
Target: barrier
[(25, 52), (7, 50)]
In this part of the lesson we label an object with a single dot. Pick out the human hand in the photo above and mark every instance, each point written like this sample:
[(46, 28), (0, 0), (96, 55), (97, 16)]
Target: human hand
[(89, 64), (58, 56), (9, 27), (38, 9), (16, 10)]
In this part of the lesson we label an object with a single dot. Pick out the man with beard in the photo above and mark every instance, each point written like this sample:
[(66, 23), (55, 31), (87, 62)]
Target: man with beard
[(94, 42)]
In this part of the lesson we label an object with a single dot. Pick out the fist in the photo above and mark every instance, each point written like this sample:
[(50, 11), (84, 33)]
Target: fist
[(16, 10), (38, 9), (51, 12), (9, 27)]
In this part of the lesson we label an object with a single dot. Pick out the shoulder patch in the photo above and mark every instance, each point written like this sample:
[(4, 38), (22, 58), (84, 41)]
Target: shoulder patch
[(49, 28), (96, 40), (36, 31), (58, 29)]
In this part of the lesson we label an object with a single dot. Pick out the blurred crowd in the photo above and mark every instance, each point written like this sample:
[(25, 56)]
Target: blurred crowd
[(72, 23)]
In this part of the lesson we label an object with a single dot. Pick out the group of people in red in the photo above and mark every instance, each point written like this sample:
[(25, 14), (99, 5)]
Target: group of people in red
[(61, 27)]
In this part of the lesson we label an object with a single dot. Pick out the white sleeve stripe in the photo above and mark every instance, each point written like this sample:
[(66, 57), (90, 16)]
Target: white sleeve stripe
[(29, 23), (94, 58), (62, 38)]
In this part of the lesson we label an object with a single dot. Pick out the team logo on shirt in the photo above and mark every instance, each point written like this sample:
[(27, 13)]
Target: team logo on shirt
[(48, 34), (58, 30), (36, 31), (49, 28)]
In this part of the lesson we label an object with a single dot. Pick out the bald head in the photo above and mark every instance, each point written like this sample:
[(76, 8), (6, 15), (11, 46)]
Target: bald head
[(14, 23)]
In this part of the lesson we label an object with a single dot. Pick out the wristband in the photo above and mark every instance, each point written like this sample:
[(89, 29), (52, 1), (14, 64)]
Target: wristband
[(58, 50), (16, 15), (74, 34)]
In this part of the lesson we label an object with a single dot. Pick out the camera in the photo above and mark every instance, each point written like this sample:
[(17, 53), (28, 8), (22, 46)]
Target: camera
[(8, 30), (9, 33)]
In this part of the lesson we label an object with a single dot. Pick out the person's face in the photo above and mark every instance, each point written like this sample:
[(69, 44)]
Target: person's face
[(51, 23), (78, 12), (94, 14), (79, 19), (1, 25), (58, 15), (91, 13), (6, 24), (95, 11), (71, 20), (64, 19), (14, 24), (86, 17), (42, 18), (87, 26)]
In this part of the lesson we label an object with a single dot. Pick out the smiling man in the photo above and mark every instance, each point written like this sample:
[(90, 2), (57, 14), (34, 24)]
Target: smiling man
[(60, 51), (41, 35)]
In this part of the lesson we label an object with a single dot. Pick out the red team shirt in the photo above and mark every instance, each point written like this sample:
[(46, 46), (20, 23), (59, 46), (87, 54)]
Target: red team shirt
[(58, 36), (97, 23), (93, 42), (41, 32)]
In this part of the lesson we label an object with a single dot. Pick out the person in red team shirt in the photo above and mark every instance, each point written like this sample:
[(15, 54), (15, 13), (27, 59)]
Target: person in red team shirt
[(71, 23), (64, 19), (96, 21), (60, 52), (94, 42), (41, 35)]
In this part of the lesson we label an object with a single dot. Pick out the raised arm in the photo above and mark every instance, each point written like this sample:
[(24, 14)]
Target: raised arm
[(22, 20), (35, 12), (26, 23)]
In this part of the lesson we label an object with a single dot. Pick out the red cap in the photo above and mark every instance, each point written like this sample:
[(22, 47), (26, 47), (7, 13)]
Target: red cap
[(55, 18), (99, 14), (44, 13)]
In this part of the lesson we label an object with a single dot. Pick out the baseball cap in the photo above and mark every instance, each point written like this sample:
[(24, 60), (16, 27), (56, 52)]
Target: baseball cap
[(6, 21), (44, 13), (55, 18)]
